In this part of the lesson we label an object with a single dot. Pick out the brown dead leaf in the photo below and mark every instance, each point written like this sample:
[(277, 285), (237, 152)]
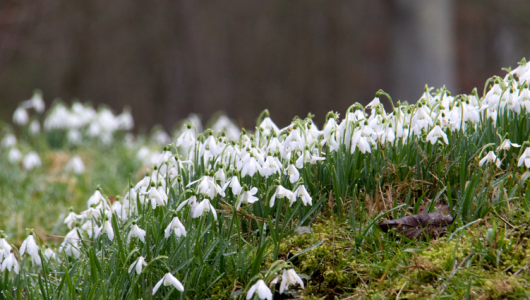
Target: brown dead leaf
[(419, 226)]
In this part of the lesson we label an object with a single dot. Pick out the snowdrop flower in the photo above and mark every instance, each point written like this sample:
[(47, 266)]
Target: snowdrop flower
[(263, 291), (10, 263), (35, 102), (436, 133), (9, 140), (158, 196), (506, 145), (34, 127), (293, 173), (14, 155), (106, 227), (302, 193), (235, 185), (168, 280), (50, 254), (71, 219), (247, 197), (74, 136), (31, 160), (187, 138), (75, 165), (290, 277), (250, 168), (360, 142), (280, 193), (20, 116), (139, 264), (95, 199), (29, 246), (203, 207), (490, 158), (175, 226), (525, 158), (268, 126), (136, 232), (5, 248), (192, 201)]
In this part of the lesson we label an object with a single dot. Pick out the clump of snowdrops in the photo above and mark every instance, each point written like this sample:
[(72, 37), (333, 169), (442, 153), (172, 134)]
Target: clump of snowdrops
[(213, 208)]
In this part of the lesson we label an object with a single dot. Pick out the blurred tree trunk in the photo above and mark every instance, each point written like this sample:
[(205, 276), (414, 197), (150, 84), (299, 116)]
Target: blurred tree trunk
[(423, 47)]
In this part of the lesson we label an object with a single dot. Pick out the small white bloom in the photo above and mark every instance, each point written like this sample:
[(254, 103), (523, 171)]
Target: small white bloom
[(9, 140), (14, 155), (263, 291), (302, 193), (506, 145), (139, 263), (290, 277), (75, 165), (202, 207), (20, 116), (107, 227), (5, 248), (31, 161), (280, 193), (235, 185), (29, 246), (34, 127), (71, 219), (168, 280), (10, 263), (50, 254), (175, 226), (248, 197), (525, 158), (490, 158), (136, 232), (293, 173), (436, 133)]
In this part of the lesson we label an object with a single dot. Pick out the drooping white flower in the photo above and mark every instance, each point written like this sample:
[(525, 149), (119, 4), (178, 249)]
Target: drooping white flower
[(29, 246), (490, 158), (247, 197), (34, 127), (506, 145), (5, 248), (136, 232), (31, 160), (235, 185), (525, 158), (14, 155), (168, 280), (290, 277), (20, 116), (106, 227), (263, 291), (302, 193), (204, 206), (293, 173), (10, 263), (9, 140), (268, 126), (50, 254), (75, 165), (71, 219), (187, 139), (138, 264), (191, 201), (282, 192), (175, 226), (436, 133)]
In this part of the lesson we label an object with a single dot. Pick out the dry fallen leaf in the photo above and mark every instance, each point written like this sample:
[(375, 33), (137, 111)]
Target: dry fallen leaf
[(419, 226)]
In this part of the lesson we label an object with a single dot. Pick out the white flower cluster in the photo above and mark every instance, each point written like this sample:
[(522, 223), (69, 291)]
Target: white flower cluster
[(83, 119)]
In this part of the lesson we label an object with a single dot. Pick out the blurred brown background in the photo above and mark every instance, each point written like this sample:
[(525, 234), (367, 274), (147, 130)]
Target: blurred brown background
[(166, 59)]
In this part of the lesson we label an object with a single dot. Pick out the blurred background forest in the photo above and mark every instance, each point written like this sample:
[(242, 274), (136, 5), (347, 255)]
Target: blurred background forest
[(166, 59)]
